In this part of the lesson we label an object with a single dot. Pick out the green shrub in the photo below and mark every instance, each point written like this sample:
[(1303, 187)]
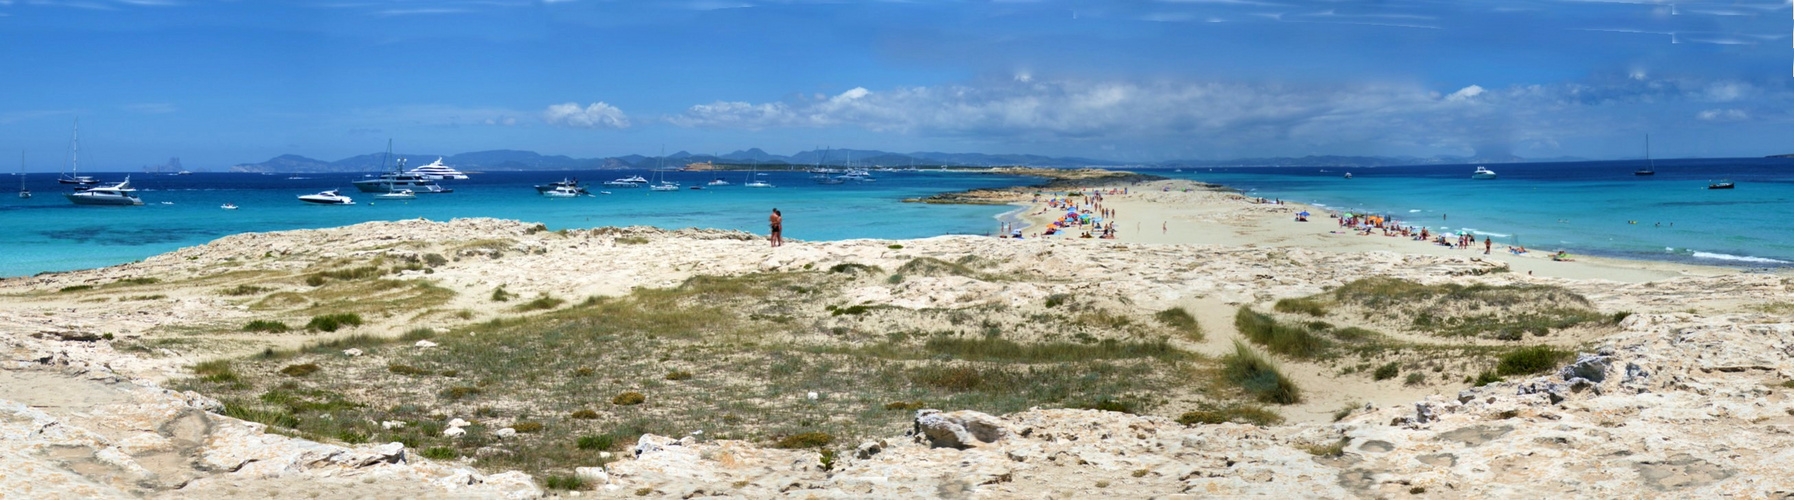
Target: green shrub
[(584, 415), (629, 399), (460, 391), (1058, 299), (441, 453), (542, 302), (435, 259), (527, 427), (1181, 321), (1486, 378), (1259, 377), (1109, 404), (403, 369), (137, 281), (300, 370), (600, 442), (219, 371), (241, 290), (316, 280), (805, 440), (583, 372), (894, 279), (277, 418), (855, 310), (416, 334), (500, 295), (262, 325), (74, 288), (1289, 340), (957, 378), (853, 268), (1530, 360), (678, 375), (895, 247), (1414, 379), (1306, 306), (1250, 414), (1387, 371), (563, 482), (903, 405), (332, 322), (1334, 449)]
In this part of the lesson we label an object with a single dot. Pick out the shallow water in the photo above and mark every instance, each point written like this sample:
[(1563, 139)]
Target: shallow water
[(47, 233), (1597, 208)]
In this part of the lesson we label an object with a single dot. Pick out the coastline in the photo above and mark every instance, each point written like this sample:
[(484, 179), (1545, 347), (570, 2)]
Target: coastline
[(1668, 336)]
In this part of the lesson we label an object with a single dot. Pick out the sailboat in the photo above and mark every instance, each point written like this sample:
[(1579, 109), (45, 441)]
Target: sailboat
[(753, 179), (23, 193), (660, 172), (398, 179), (824, 175), (1651, 166), (73, 176)]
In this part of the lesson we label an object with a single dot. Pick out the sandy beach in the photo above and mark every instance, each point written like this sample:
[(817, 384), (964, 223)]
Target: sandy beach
[(1669, 378)]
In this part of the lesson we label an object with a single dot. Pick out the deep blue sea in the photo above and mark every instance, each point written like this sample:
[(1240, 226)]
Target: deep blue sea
[(1597, 208), (48, 233)]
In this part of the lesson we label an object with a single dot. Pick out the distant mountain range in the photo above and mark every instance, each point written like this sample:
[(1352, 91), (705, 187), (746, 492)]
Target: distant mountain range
[(505, 159)]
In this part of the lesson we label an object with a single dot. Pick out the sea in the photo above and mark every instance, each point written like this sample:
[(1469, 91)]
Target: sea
[(1591, 208), (48, 233), (1595, 208)]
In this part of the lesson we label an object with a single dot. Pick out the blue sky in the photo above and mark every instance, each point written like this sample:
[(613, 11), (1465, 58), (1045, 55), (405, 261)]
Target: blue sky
[(219, 82)]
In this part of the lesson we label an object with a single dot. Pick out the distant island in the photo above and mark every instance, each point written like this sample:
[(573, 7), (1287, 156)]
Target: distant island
[(516, 160)]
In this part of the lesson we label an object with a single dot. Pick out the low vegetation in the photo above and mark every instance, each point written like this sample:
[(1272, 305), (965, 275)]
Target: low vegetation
[(1180, 321), (1531, 360), (1258, 377), (333, 322)]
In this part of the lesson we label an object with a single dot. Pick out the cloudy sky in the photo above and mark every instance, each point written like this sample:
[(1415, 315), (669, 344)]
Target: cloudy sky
[(219, 82)]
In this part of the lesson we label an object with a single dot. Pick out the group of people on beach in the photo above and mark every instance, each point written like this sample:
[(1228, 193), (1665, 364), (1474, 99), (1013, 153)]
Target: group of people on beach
[(1090, 217), (1365, 225)]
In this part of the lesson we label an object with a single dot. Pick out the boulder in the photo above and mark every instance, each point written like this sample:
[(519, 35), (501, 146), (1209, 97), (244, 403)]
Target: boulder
[(960, 430)]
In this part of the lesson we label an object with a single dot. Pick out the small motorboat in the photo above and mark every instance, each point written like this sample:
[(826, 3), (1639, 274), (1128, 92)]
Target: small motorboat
[(1348, 175), (697, 188), (719, 182), (564, 191), (1483, 173), (402, 194), (331, 197), (604, 192), (1722, 184), (228, 206)]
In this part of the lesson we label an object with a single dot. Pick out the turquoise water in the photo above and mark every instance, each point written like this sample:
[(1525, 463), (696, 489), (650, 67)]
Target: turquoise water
[(1596, 208), (47, 233)]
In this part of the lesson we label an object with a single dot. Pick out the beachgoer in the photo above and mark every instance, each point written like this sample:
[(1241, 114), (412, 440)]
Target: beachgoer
[(1164, 228), (1487, 245), (778, 227)]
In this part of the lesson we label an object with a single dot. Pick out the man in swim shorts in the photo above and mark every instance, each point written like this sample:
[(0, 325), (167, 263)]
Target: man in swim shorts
[(778, 227)]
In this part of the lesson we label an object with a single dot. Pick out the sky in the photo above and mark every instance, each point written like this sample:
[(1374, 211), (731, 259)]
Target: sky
[(222, 82)]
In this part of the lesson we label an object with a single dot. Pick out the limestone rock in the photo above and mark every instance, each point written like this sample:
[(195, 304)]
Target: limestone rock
[(961, 429)]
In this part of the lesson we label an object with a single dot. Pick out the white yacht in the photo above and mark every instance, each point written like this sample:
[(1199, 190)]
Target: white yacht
[(757, 182), (436, 171), (633, 181), (1483, 173), (719, 182), (402, 194), (563, 191), (570, 183), (117, 194), (398, 180), (331, 197)]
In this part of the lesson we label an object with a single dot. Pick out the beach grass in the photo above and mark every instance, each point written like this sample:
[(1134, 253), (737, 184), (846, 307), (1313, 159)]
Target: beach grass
[(1259, 377), (745, 350)]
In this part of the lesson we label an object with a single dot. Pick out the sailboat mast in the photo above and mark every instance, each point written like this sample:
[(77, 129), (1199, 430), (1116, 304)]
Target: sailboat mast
[(75, 169), (1653, 163)]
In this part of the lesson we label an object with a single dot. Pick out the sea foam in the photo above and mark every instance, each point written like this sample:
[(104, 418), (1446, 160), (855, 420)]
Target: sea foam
[(1737, 258)]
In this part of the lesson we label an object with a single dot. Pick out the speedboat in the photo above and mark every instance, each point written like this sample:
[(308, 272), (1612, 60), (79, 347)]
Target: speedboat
[(567, 183), (719, 182), (331, 197), (228, 206), (436, 171), (564, 191), (119, 194), (1482, 173), (1348, 175), (1722, 184), (697, 188), (183, 172), (633, 181), (402, 194), (665, 186)]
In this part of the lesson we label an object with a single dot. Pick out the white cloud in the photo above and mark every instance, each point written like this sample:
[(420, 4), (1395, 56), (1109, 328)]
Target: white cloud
[(596, 115), (1248, 115), (1723, 115), (1465, 93)]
